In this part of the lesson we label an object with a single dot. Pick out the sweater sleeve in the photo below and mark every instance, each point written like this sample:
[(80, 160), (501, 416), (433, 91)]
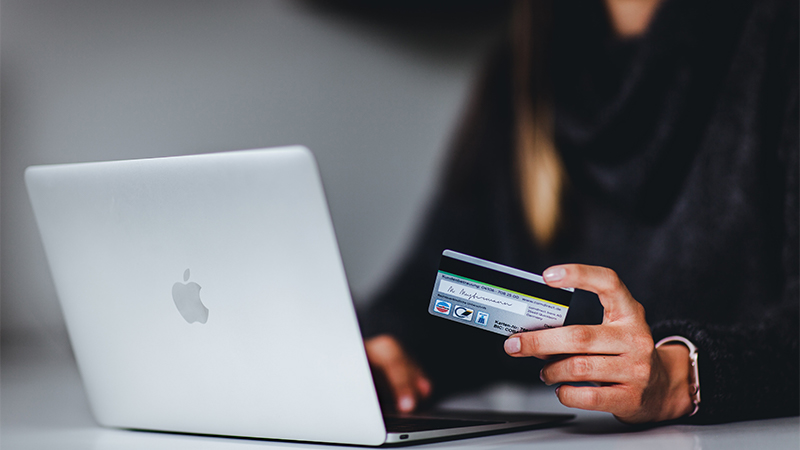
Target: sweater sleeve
[(752, 370), (468, 215)]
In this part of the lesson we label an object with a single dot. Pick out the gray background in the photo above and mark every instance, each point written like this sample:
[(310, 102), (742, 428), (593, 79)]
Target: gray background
[(376, 100)]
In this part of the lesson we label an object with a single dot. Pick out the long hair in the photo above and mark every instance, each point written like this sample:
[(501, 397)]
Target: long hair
[(540, 170)]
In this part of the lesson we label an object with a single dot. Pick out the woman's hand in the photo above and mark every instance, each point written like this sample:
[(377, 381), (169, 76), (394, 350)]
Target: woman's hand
[(406, 381), (637, 382)]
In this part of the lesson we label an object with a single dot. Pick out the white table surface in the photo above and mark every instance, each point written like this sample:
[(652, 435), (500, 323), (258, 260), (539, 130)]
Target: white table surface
[(43, 405)]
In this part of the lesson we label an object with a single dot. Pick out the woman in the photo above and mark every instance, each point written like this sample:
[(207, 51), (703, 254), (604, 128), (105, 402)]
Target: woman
[(655, 138)]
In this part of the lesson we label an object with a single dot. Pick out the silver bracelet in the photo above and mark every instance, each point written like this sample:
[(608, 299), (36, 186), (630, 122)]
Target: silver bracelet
[(694, 383)]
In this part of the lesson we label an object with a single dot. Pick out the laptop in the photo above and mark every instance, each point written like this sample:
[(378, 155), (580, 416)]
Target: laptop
[(206, 294)]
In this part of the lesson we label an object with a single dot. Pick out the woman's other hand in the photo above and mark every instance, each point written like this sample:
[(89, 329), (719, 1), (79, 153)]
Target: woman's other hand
[(406, 382), (637, 382)]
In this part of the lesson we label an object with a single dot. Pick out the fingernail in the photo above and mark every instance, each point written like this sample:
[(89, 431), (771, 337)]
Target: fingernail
[(424, 386), (559, 387), (406, 404), (554, 274), (541, 375), (512, 345)]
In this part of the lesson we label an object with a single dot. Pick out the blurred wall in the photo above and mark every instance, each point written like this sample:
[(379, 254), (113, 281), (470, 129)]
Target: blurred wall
[(85, 80)]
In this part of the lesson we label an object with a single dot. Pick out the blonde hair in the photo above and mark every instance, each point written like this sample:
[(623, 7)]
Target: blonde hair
[(540, 169)]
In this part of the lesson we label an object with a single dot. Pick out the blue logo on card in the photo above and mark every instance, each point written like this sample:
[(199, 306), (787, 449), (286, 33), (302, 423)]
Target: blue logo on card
[(442, 307), (482, 318)]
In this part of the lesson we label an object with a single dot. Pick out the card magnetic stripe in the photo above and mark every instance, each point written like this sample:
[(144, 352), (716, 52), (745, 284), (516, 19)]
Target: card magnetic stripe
[(505, 280)]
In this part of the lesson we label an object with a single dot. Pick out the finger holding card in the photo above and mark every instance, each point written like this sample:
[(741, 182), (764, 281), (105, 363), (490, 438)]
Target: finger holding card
[(639, 383)]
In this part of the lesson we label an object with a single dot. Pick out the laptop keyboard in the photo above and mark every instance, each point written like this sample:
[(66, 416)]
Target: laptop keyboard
[(396, 424)]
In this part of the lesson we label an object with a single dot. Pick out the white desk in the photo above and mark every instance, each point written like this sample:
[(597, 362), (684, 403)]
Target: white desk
[(42, 405)]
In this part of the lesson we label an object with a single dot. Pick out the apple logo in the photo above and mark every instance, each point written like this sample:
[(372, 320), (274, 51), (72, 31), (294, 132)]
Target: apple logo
[(187, 300)]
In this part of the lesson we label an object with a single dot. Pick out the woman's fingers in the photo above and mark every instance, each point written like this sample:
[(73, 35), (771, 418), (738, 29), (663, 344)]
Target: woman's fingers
[(613, 294), (408, 385), (405, 379), (608, 338), (574, 339), (403, 388), (643, 386), (618, 399), (588, 368)]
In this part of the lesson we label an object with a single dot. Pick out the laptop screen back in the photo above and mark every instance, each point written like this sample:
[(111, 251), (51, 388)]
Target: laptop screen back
[(206, 294)]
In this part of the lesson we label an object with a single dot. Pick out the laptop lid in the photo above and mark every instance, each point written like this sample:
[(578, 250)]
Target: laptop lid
[(206, 294)]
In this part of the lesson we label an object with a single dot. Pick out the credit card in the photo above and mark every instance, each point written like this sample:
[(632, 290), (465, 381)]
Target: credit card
[(494, 297)]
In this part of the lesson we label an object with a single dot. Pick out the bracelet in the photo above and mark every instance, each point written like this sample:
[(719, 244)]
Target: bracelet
[(694, 373)]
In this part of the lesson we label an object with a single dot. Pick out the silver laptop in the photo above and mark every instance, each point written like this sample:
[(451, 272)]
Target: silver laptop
[(206, 294)]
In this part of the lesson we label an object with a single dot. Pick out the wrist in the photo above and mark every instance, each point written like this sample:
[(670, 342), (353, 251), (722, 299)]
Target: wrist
[(679, 401)]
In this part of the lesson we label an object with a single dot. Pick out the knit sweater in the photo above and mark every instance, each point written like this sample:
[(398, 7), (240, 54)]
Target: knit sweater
[(681, 149)]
